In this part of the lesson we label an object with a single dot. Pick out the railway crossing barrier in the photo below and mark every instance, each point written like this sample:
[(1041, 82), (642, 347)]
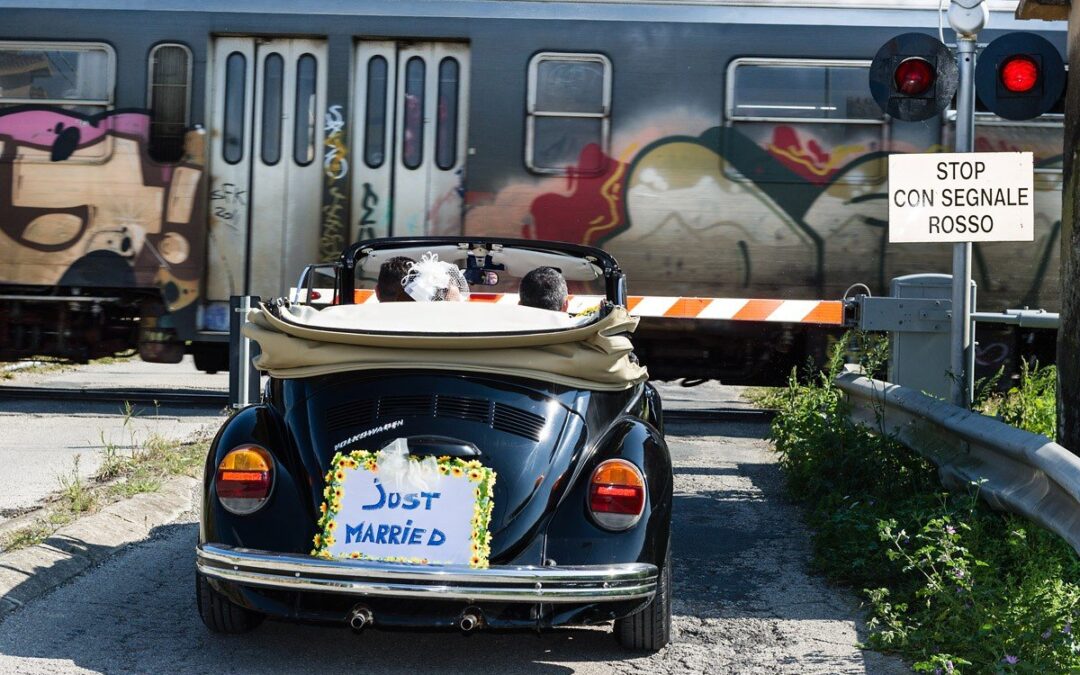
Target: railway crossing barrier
[(1014, 470), (918, 315)]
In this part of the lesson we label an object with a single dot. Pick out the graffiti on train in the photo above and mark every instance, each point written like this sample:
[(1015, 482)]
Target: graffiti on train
[(790, 210), (83, 203), (335, 168)]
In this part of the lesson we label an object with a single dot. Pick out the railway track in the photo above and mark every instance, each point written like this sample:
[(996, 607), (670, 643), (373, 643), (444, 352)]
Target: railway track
[(761, 415), (219, 399), (194, 397)]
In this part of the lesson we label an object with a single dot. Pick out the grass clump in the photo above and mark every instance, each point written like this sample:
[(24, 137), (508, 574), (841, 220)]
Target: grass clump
[(119, 476), (949, 584)]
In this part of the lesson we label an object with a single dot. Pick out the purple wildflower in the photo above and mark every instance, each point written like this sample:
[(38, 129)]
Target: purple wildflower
[(1046, 634), (949, 666), (1067, 629), (1010, 659), (958, 572), (949, 529)]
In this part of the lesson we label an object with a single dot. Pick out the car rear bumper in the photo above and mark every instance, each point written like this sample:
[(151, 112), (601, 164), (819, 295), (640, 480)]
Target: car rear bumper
[(365, 578)]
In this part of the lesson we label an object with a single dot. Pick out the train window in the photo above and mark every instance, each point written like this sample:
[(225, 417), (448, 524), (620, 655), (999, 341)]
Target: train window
[(273, 84), (813, 119), (76, 76), (235, 91), (304, 121), (446, 126), (375, 116), (1043, 137), (412, 131), (168, 97), (569, 112)]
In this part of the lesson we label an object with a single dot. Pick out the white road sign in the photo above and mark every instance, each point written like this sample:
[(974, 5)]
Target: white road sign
[(957, 197)]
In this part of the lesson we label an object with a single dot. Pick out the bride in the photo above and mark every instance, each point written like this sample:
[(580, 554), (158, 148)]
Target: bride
[(432, 280)]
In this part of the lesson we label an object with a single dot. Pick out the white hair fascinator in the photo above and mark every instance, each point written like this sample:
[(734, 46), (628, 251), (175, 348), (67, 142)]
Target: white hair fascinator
[(432, 280)]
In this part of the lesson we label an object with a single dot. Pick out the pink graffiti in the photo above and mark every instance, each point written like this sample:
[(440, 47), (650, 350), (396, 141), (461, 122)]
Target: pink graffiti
[(41, 128)]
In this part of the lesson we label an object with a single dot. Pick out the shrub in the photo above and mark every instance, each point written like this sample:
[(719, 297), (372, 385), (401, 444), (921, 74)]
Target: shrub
[(950, 584)]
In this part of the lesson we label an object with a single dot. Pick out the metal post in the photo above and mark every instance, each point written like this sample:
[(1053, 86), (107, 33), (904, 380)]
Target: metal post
[(243, 377), (967, 18)]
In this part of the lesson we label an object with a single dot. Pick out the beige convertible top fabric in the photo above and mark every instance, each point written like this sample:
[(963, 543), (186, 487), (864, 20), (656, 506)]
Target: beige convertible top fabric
[(597, 356)]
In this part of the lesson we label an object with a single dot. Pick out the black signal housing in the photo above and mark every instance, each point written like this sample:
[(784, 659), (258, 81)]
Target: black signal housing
[(1016, 97), (913, 77)]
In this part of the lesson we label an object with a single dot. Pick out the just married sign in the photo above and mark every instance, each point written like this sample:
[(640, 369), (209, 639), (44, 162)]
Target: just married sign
[(367, 517)]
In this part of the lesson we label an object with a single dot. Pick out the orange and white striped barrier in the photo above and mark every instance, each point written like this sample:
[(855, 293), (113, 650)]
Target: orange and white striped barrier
[(828, 312)]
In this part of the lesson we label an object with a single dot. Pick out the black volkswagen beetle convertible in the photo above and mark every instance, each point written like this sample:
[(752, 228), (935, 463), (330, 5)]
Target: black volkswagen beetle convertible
[(464, 463)]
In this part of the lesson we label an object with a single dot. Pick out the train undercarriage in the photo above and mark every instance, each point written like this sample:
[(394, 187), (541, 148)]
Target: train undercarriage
[(77, 324)]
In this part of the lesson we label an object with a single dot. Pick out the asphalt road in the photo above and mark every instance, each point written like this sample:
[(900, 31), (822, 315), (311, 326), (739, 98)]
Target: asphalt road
[(41, 439), (743, 601)]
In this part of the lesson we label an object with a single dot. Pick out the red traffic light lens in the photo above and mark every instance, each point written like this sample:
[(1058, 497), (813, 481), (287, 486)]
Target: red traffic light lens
[(1019, 74), (914, 76)]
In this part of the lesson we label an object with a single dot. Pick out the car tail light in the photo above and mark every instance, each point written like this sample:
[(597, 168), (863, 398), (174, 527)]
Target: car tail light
[(616, 494), (244, 478)]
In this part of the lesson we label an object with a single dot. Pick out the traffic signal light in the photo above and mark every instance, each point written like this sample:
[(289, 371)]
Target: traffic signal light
[(913, 77), (1019, 76)]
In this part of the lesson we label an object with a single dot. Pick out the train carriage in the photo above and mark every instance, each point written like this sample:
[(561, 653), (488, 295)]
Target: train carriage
[(158, 158)]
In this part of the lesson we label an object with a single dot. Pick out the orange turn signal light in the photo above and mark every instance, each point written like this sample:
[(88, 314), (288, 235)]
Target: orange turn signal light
[(244, 479), (617, 494)]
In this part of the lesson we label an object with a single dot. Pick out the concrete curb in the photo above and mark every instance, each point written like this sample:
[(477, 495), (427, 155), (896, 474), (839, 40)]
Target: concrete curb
[(31, 572)]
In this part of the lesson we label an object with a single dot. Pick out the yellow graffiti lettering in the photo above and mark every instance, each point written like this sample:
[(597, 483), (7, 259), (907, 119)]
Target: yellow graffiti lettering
[(803, 158), (610, 192), (332, 238)]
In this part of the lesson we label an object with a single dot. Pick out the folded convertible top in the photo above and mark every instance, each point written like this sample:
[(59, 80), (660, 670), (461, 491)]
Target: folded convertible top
[(299, 341)]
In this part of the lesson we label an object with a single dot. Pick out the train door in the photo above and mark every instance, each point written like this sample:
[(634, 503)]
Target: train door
[(409, 122), (265, 168)]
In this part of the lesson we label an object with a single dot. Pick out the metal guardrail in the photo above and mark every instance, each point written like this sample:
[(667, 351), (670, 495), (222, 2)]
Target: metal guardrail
[(1016, 470)]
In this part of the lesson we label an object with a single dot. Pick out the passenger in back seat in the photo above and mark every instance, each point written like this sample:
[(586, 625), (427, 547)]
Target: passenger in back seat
[(544, 288), (389, 287)]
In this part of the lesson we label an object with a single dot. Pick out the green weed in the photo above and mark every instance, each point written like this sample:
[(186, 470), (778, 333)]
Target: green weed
[(74, 492), (31, 535), (950, 584), (1032, 405)]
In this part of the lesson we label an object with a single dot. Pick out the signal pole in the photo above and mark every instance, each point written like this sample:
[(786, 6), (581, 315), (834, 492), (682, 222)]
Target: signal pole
[(967, 18)]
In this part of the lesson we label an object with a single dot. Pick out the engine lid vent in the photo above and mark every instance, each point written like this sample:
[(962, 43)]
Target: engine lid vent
[(499, 416), (407, 406), (517, 421), (460, 407), (351, 414)]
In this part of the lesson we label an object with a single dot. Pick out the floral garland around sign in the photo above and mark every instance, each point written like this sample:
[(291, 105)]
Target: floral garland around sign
[(472, 470)]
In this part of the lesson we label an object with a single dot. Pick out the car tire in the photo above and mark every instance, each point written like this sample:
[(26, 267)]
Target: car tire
[(649, 629), (220, 614)]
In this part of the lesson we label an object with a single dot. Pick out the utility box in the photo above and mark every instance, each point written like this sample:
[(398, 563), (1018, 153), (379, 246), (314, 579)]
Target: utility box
[(919, 348)]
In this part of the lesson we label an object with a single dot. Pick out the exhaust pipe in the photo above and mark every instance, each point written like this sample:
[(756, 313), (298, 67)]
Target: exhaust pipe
[(470, 620), (360, 617)]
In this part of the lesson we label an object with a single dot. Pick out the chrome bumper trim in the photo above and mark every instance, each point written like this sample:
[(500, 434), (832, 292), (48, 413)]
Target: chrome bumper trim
[(501, 583)]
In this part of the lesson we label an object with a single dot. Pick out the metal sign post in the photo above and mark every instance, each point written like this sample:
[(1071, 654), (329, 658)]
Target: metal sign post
[(243, 377), (967, 18)]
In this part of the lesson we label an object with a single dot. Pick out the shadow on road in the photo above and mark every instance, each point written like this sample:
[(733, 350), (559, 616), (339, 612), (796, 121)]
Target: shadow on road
[(143, 618), (743, 601)]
